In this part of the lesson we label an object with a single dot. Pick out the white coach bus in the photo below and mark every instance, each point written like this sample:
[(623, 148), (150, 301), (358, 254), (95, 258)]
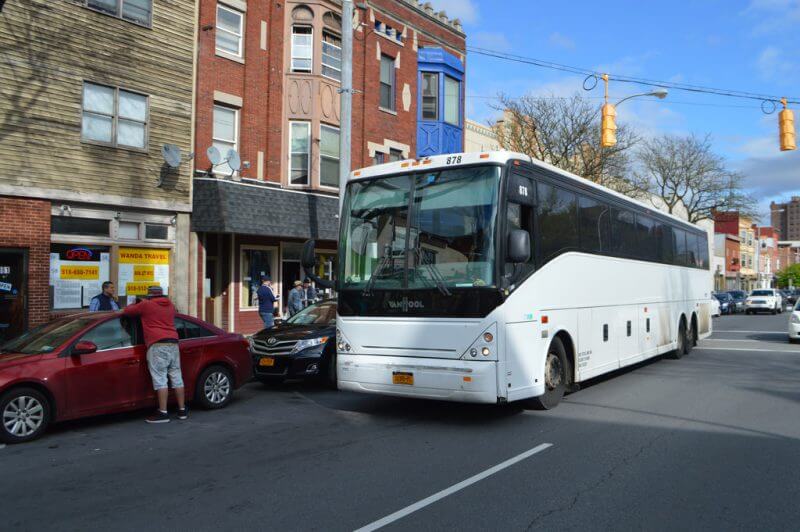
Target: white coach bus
[(493, 277)]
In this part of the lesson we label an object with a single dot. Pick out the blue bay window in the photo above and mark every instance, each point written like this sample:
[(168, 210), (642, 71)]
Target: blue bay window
[(440, 121)]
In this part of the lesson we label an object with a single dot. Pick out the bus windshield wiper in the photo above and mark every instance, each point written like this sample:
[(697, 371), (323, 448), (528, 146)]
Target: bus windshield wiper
[(436, 275), (384, 262)]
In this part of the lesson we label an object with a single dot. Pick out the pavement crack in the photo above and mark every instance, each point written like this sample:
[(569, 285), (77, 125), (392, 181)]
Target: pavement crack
[(598, 483)]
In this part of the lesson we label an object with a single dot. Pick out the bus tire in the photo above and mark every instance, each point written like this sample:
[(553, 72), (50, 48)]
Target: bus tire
[(681, 347), (555, 377)]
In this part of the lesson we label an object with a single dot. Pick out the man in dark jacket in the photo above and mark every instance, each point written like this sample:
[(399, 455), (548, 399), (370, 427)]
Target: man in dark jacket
[(157, 314), (309, 292), (105, 300), (266, 302)]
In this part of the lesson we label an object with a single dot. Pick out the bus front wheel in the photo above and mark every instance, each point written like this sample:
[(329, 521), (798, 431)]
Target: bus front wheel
[(555, 377)]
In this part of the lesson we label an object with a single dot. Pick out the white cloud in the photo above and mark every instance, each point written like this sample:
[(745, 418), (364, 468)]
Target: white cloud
[(490, 40), (465, 10), (561, 41), (772, 64), (770, 16)]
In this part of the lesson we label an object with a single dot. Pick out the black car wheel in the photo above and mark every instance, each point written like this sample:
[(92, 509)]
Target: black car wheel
[(26, 414)]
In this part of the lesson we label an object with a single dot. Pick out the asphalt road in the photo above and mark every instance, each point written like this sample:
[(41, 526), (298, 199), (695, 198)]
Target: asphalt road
[(711, 441)]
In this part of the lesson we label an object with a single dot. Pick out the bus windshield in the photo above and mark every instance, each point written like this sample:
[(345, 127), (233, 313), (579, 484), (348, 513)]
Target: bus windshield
[(421, 230)]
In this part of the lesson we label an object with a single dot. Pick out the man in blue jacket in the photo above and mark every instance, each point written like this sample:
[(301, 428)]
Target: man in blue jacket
[(104, 300), (266, 302)]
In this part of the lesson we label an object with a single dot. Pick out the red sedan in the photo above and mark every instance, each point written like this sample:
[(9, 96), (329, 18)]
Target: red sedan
[(93, 364)]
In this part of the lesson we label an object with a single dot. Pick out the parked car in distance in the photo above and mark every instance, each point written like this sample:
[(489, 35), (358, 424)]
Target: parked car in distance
[(790, 296), (716, 309), (92, 364), (726, 303), (739, 297), (764, 300), (794, 324), (302, 346)]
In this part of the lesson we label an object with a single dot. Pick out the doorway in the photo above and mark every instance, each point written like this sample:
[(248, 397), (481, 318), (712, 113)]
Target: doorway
[(291, 272), (212, 293), (13, 293)]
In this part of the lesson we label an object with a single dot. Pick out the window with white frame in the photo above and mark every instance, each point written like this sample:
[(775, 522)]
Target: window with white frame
[(299, 146), (114, 116), (138, 11), (226, 135), (329, 156), (430, 96), (230, 24), (331, 56), (302, 48), (452, 100), (387, 96)]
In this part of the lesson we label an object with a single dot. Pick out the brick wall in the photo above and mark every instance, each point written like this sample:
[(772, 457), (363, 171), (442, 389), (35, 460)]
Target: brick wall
[(25, 223)]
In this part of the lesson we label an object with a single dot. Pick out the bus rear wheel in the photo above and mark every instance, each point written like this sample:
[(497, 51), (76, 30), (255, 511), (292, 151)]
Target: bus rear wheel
[(680, 350), (555, 377)]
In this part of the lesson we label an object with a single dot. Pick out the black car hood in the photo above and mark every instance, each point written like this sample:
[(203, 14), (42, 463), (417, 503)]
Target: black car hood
[(288, 331)]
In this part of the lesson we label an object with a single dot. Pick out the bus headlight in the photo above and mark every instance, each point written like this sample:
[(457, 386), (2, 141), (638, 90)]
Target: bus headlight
[(485, 351)]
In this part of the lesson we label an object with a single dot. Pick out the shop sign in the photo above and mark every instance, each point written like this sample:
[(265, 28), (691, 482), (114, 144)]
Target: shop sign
[(83, 273), (139, 288), (79, 254), (143, 256)]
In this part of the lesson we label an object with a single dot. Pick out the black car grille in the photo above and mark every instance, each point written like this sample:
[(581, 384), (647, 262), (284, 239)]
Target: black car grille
[(280, 347)]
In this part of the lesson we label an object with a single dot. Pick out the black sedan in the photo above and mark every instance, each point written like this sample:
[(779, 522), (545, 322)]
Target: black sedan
[(739, 297), (301, 347), (726, 303)]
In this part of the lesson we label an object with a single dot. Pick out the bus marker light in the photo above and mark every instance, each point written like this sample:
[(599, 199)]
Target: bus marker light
[(485, 351), (545, 319), (404, 165), (487, 337), (484, 155), (356, 174), (415, 163), (427, 161), (467, 379)]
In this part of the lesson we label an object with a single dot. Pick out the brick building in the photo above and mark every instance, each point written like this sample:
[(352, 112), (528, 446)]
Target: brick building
[(91, 91), (268, 76), (785, 217), (733, 223), (768, 259), (727, 246)]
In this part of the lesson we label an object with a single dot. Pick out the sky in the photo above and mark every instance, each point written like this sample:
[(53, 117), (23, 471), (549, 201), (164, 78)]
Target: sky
[(744, 45)]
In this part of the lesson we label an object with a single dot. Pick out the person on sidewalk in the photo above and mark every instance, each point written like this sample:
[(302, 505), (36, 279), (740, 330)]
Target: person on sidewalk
[(266, 302), (296, 298), (157, 314), (105, 300), (309, 292)]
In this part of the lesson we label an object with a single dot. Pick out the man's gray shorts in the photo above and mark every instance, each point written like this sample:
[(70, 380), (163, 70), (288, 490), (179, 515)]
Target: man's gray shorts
[(164, 359)]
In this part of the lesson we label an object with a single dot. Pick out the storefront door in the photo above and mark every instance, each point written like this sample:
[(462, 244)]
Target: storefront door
[(291, 273), (13, 293)]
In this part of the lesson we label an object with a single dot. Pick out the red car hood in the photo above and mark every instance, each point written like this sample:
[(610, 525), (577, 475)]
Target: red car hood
[(8, 360)]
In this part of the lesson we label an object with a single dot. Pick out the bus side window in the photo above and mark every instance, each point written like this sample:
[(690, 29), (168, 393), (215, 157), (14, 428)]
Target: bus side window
[(557, 220)]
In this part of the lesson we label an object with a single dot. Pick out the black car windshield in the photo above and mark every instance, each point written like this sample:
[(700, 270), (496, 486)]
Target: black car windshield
[(45, 338), (323, 313), (421, 230), (763, 293)]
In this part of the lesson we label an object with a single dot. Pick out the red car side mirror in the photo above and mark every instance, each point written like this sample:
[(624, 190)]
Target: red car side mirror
[(84, 348)]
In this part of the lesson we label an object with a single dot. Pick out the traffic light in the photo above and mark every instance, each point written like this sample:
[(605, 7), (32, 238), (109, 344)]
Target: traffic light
[(788, 135), (608, 126)]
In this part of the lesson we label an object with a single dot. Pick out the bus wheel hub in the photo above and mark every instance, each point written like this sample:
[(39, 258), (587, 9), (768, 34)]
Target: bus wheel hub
[(553, 371)]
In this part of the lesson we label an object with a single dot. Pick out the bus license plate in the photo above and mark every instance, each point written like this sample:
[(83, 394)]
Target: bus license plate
[(400, 377), (266, 361)]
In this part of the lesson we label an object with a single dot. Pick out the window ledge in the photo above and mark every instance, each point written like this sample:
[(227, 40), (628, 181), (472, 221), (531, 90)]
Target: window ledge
[(143, 151), (385, 110), (148, 26), (228, 55), (390, 39)]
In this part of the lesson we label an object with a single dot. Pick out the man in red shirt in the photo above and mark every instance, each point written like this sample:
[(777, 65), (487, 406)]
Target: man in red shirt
[(157, 314)]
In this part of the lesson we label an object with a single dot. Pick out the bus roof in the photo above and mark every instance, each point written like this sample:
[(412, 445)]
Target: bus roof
[(451, 160)]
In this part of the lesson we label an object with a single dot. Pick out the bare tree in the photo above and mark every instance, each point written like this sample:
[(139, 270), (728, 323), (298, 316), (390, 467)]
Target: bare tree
[(565, 132), (684, 172)]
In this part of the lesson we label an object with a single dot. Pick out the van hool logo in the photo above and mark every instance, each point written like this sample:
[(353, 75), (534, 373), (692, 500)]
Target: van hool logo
[(405, 304)]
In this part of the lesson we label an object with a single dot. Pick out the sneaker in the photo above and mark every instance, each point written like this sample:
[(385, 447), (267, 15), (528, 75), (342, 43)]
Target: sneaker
[(158, 417), (183, 413)]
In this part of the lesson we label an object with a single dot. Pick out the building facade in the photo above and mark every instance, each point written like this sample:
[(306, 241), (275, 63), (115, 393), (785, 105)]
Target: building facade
[(479, 137), (268, 80), (768, 258), (785, 217), (733, 223), (91, 92), (728, 277)]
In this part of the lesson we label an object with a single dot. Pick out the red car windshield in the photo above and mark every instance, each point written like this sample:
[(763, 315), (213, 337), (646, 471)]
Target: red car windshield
[(45, 338)]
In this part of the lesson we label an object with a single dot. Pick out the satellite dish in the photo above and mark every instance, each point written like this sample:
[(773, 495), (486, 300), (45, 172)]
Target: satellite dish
[(213, 155), (234, 161), (171, 154)]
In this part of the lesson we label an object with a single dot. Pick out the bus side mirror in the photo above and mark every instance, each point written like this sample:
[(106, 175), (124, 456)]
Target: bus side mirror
[(519, 246), (307, 258)]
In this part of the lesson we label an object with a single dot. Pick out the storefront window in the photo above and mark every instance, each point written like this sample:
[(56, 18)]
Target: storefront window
[(256, 263), (68, 225), (77, 273), (139, 269)]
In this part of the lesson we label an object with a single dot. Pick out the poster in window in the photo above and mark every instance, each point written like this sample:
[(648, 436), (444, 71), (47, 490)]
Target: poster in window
[(77, 273), (140, 268)]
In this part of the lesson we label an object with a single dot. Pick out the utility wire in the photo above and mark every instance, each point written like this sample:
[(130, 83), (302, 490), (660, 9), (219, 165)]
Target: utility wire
[(630, 79), (664, 102)]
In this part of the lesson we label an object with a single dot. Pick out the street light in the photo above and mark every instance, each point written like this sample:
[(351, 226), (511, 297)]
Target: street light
[(608, 123)]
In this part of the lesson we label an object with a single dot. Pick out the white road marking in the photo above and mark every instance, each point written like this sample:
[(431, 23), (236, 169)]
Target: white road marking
[(795, 351), (730, 340), (375, 525), (750, 332)]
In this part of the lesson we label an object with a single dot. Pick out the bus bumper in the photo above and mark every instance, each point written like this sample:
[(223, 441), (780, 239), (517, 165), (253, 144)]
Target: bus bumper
[(447, 380)]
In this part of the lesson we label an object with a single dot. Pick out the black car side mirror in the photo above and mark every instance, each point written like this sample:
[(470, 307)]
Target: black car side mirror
[(519, 246), (84, 348)]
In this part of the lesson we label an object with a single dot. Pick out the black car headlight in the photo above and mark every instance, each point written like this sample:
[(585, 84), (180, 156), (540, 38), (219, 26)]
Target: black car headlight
[(302, 345)]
